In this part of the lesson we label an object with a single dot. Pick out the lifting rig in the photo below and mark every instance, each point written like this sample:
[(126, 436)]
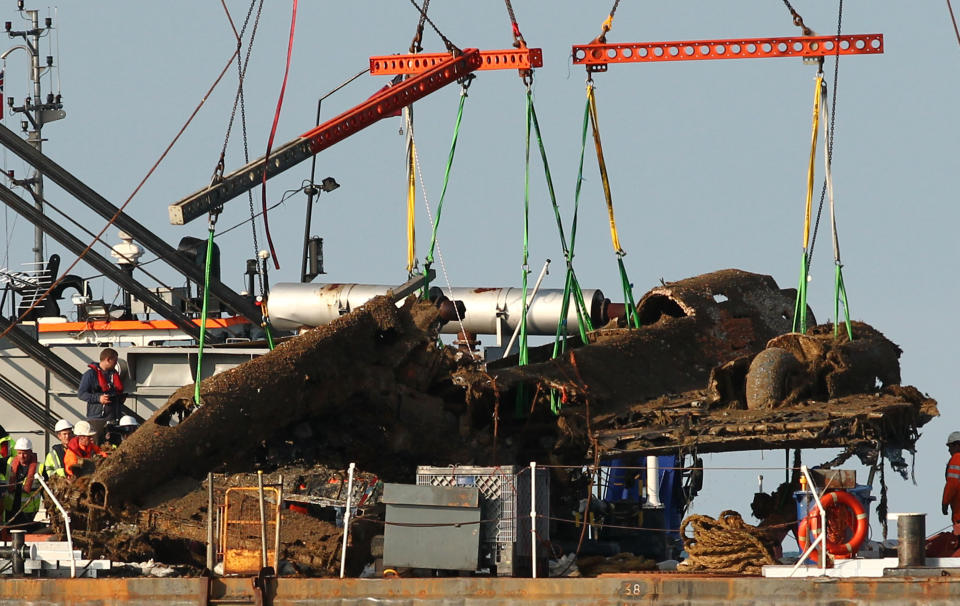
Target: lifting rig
[(596, 56), (330, 132), (433, 71), (429, 72)]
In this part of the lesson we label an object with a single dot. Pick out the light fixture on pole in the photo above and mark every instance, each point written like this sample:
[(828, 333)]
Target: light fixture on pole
[(313, 245)]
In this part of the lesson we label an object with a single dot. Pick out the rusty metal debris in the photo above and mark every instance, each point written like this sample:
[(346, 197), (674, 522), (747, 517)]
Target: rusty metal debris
[(712, 368)]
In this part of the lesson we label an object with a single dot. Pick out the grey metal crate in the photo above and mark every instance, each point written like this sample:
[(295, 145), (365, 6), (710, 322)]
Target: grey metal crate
[(505, 501)]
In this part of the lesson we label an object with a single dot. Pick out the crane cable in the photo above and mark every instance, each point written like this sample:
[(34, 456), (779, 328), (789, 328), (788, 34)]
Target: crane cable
[(631, 310), (839, 290), (451, 47), (239, 100), (800, 307), (954, 21), (518, 41), (273, 132)]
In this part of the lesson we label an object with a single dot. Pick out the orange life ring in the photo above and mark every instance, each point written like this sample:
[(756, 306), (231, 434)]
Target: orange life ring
[(810, 525)]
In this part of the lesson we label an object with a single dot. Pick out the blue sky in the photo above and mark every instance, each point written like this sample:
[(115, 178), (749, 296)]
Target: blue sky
[(707, 159)]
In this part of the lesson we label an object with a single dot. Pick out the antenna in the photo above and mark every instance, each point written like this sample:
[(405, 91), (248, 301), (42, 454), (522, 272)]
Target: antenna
[(36, 109)]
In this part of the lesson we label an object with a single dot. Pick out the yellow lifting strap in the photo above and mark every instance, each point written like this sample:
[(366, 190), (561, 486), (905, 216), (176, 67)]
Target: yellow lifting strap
[(411, 206), (592, 102), (813, 155)]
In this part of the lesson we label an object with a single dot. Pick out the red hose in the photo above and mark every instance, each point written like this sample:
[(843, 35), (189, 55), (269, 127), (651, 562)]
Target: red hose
[(273, 132)]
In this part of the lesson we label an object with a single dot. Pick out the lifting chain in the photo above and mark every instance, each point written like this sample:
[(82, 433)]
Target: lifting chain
[(607, 25), (798, 20), (450, 46), (416, 46)]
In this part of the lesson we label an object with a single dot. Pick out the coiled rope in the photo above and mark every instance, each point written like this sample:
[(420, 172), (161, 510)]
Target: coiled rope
[(727, 544)]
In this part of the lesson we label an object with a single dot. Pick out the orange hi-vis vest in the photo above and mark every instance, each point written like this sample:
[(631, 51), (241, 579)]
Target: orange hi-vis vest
[(951, 490)]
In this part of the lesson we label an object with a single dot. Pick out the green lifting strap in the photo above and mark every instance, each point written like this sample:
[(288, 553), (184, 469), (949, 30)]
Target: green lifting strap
[(203, 312), (633, 319), (428, 262), (266, 329), (572, 285), (583, 318), (840, 292), (525, 267), (524, 355), (800, 307)]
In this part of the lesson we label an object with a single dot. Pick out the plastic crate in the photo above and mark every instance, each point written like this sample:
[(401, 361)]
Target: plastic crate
[(505, 502), (497, 495)]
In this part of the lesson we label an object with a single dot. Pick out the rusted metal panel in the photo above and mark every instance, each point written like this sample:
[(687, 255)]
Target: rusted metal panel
[(665, 589), (97, 592)]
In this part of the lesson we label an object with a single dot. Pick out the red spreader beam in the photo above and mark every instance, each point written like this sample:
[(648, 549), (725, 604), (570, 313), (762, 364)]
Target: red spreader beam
[(315, 140), (391, 65), (598, 56)]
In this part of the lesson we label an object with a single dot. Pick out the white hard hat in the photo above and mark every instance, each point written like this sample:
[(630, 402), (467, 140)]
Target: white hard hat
[(82, 428), (23, 444), (127, 421), (62, 424), (953, 437)]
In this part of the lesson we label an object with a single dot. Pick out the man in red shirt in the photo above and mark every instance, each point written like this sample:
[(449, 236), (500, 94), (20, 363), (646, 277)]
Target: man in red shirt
[(951, 490)]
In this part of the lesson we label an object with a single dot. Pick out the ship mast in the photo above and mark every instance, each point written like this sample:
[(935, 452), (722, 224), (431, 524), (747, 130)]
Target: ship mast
[(36, 110)]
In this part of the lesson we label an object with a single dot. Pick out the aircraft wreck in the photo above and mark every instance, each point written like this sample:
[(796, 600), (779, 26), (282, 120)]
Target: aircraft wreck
[(713, 368)]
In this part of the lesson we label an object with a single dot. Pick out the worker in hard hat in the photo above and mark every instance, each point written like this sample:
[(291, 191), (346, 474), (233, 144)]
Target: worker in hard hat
[(53, 464), (951, 489), (22, 499), (116, 434), (81, 449), (102, 389), (7, 448)]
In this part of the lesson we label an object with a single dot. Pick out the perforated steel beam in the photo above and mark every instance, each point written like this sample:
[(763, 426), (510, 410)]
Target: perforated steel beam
[(513, 58), (598, 56), (330, 132)]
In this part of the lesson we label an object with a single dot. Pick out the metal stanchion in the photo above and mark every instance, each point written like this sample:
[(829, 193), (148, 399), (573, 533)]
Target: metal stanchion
[(263, 522), (533, 517), (346, 520), (210, 548), (276, 537)]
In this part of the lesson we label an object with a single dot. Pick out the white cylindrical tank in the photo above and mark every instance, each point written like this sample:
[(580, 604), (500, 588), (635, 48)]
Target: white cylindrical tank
[(297, 305)]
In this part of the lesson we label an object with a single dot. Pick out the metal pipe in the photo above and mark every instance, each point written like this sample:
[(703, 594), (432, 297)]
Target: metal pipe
[(533, 515), (276, 537), (295, 305), (911, 533), (16, 552), (66, 524), (533, 297), (653, 481), (210, 521), (263, 521), (346, 520)]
